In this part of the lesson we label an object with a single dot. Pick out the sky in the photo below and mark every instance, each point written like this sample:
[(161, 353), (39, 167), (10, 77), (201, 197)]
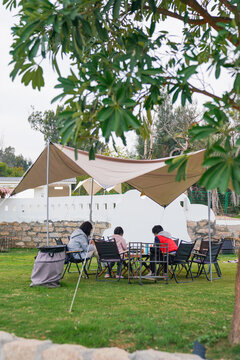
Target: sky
[(16, 99)]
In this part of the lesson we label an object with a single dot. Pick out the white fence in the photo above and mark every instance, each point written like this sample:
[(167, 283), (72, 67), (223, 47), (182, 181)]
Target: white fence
[(73, 208)]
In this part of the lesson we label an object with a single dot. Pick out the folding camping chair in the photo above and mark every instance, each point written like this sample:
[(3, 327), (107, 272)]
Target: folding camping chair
[(71, 259), (108, 254), (228, 246), (203, 261), (181, 260)]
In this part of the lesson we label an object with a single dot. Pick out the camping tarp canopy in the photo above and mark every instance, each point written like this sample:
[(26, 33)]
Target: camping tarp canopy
[(93, 188), (148, 176)]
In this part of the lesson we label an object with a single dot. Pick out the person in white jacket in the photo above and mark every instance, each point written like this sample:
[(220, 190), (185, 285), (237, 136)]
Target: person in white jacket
[(79, 241)]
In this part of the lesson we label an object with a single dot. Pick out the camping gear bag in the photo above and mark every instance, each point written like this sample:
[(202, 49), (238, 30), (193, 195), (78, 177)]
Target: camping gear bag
[(48, 266)]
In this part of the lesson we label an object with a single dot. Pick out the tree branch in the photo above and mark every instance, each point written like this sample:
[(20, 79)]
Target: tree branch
[(210, 19), (229, 6), (201, 11), (190, 21), (213, 96)]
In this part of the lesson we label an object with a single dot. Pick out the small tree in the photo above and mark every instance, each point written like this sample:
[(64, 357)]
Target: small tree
[(169, 131)]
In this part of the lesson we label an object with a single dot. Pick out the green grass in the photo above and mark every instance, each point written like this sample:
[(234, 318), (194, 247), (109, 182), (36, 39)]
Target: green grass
[(133, 317)]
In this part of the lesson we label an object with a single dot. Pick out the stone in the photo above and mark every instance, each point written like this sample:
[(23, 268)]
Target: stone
[(191, 223), (160, 355), (26, 228), (110, 354), (64, 352), (6, 337), (17, 228), (20, 243), (31, 233), (36, 228), (26, 238), (53, 235), (21, 349), (204, 231)]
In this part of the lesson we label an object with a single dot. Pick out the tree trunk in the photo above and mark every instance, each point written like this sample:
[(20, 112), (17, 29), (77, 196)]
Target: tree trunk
[(215, 201), (234, 336), (150, 147), (145, 149)]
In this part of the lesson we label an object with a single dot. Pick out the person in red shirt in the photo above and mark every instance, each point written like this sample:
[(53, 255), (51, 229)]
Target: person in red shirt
[(161, 237)]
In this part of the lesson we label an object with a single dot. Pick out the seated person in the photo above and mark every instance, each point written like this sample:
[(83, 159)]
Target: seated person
[(79, 241), (122, 247), (161, 237)]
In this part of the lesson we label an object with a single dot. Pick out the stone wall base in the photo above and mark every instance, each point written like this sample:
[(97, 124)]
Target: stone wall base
[(34, 234), (199, 229), (15, 348)]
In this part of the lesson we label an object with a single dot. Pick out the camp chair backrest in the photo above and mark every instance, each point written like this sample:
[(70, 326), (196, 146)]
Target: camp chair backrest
[(59, 241), (228, 246), (176, 241), (215, 249), (183, 252), (107, 250), (204, 246)]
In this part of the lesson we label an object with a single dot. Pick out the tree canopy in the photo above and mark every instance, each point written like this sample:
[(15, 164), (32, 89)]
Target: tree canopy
[(169, 131), (121, 60), (8, 157)]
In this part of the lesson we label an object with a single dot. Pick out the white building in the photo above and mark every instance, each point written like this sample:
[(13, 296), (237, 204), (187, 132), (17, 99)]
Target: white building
[(61, 188)]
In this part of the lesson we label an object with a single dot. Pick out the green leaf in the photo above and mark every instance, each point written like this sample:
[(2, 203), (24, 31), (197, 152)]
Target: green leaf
[(152, 71), (175, 95), (67, 134), (218, 148), (116, 9), (175, 162), (34, 50), (92, 153), (106, 128), (216, 176), (188, 72), (105, 113), (107, 101), (212, 161), (236, 85), (181, 173), (102, 32), (201, 132), (218, 71), (28, 30), (152, 5), (108, 5), (132, 120)]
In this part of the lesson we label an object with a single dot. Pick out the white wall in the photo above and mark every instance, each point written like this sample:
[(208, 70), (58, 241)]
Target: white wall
[(137, 216), (60, 208)]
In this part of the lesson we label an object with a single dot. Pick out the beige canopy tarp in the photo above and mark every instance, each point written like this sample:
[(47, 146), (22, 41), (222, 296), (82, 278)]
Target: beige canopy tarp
[(95, 186), (148, 176)]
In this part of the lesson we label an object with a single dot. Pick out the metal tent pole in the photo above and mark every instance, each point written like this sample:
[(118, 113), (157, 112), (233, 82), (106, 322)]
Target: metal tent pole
[(48, 191), (80, 275), (90, 215), (209, 233)]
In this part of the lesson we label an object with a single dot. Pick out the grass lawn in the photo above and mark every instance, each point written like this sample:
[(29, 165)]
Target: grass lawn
[(133, 317)]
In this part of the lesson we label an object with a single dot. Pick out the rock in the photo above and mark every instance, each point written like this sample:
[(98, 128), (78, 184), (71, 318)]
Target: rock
[(160, 355), (64, 352), (110, 354)]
